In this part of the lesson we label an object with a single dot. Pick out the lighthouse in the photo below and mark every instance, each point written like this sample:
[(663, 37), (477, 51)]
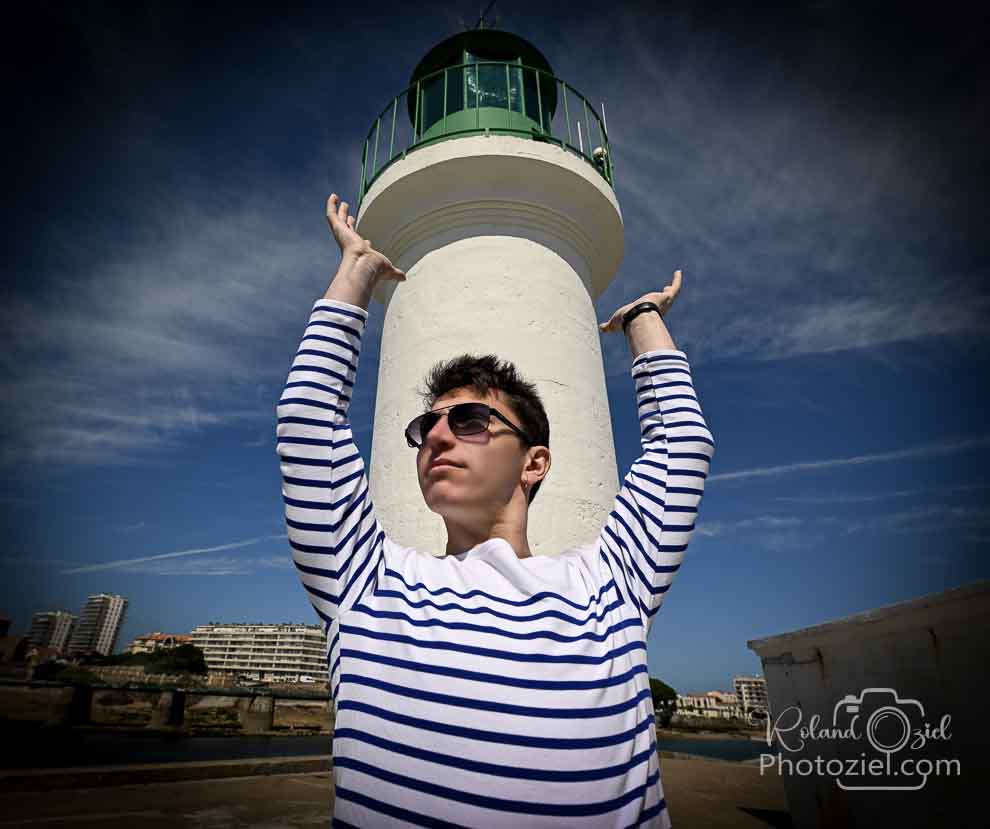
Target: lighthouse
[(489, 180)]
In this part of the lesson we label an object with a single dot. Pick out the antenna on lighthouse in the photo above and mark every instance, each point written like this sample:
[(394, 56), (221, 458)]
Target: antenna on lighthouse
[(481, 20)]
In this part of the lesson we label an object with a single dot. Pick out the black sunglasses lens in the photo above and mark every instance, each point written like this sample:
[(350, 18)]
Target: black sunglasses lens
[(464, 419), (468, 418), (422, 426)]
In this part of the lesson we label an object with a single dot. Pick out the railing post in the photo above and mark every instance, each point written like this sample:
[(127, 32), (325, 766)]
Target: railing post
[(364, 172), (257, 714), (416, 117), (443, 124), (539, 99), (584, 109), (391, 141), (604, 145), (70, 705), (522, 89), (508, 99), (170, 711), (477, 97), (567, 114), (378, 130)]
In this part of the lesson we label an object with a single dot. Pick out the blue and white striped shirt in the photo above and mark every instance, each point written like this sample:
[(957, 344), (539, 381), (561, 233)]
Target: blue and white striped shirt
[(481, 689)]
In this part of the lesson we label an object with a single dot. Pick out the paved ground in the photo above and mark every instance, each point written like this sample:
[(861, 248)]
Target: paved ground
[(700, 793)]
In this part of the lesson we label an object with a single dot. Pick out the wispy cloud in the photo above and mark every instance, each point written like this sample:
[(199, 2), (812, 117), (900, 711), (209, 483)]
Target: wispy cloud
[(911, 453), (759, 522), (33, 561), (861, 498), (279, 562), (936, 518), (186, 322), (789, 218), (210, 566), (736, 171), (133, 562)]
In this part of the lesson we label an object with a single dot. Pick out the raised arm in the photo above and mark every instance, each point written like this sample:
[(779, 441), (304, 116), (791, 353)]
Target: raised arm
[(335, 537), (650, 525)]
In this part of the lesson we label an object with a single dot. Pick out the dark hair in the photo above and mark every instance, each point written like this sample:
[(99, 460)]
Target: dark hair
[(483, 374)]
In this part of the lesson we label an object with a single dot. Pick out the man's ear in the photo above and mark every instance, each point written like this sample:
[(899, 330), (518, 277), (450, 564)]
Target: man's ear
[(539, 461)]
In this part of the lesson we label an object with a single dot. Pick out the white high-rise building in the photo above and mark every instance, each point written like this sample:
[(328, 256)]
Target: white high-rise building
[(99, 625), (490, 182), (264, 652), (51, 629), (752, 693)]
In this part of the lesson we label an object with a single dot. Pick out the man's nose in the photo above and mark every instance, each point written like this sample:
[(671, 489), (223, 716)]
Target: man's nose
[(440, 434)]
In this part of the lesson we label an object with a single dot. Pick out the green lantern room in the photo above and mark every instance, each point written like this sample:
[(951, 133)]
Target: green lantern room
[(485, 81)]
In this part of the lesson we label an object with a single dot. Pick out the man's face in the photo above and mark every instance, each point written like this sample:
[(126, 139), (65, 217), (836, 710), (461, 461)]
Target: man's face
[(488, 465)]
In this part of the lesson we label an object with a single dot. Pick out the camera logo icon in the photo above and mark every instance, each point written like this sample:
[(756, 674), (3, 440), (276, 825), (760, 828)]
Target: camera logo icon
[(887, 721)]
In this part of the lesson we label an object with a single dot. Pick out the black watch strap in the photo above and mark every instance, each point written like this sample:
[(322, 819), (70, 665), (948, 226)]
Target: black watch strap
[(636, 310)]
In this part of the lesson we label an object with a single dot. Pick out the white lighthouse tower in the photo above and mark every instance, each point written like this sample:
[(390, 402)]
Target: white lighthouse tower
[(489, 181)]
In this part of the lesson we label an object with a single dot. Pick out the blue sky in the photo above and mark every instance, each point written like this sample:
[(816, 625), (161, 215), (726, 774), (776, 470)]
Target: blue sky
[(817, 175)]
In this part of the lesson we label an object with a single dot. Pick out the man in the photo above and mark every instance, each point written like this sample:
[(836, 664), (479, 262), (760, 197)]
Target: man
[(488, 687)]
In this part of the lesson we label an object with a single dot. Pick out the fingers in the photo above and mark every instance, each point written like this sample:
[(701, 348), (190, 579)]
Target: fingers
[(337, 210), (610, 324), (675, 286)]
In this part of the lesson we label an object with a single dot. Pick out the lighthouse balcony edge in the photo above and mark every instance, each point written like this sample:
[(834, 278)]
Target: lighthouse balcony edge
[(485, 98)]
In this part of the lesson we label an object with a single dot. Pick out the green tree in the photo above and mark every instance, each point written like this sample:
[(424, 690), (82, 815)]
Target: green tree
[(663, 695), (58, 672), (664, 700), (185, 659)]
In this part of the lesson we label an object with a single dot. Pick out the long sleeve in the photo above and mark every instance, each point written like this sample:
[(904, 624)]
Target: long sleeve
[(650, 525), (336, 539)]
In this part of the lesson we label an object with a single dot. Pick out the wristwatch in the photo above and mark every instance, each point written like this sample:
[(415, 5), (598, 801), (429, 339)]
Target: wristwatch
[(636, 310)]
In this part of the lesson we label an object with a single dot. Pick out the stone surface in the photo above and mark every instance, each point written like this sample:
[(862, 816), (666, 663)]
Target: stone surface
[(701, 793)]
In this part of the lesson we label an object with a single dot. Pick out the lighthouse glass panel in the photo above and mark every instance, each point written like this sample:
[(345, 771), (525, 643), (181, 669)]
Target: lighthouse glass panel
[(487, 84), (432, 100)]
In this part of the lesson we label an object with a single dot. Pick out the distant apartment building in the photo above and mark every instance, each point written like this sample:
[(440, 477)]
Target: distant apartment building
[(99, 625), (282, 652), (157, 641), (710, 704), (752, 693), (52, 629)]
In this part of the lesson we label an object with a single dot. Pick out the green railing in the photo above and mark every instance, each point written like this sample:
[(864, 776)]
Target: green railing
[(485, 97)]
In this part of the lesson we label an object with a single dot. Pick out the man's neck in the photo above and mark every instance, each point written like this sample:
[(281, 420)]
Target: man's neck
[(460, 542)]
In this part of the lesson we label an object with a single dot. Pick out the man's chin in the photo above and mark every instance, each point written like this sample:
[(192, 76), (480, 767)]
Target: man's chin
[(444, 504)]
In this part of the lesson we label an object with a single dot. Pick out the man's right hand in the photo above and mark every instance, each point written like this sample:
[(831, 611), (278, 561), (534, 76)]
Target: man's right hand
[(359, 260)]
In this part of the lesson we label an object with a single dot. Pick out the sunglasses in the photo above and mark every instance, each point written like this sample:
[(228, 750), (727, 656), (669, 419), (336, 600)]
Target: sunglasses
[(463, 419)]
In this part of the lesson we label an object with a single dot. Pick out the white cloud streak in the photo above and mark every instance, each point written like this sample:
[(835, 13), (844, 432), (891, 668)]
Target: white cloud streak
[(911, 453), (132, 562), (935, 518), (857, 498)]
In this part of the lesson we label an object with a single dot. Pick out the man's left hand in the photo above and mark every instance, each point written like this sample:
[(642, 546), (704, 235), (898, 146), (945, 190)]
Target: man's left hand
[(664, 299)]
